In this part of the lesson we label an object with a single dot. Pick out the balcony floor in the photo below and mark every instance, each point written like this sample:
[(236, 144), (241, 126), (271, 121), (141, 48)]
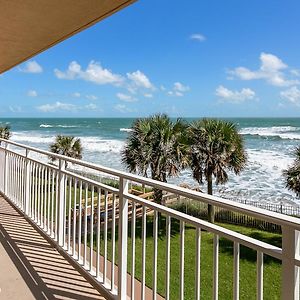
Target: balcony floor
[(31, 268)]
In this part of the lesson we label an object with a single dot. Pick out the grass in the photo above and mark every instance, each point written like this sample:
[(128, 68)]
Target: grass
[(272, 267), (47, 186), (199, 210)]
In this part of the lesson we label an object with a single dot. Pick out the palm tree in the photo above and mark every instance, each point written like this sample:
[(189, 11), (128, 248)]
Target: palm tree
[(5, 133), (216, 147), (68, 146), (158, 147), (292, 174)]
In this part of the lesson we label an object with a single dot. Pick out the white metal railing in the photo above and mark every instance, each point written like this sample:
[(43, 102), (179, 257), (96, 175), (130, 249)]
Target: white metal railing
[(80, 214)]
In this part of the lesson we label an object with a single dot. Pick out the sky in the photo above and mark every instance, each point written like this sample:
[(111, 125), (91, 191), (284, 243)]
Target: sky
[(185, 58)]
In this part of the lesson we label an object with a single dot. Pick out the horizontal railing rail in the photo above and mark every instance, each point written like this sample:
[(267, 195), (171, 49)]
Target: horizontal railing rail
[(257, 212), (204, 225), (102, 227)]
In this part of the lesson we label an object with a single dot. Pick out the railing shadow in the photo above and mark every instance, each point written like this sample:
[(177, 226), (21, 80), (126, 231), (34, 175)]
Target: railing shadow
[(46, 273), (246, 253)]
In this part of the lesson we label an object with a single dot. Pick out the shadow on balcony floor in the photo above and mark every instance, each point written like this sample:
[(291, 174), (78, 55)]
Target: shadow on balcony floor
[(33, 269)]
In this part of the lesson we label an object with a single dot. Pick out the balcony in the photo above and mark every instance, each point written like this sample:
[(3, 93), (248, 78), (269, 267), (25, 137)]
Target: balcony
[(83, 233)]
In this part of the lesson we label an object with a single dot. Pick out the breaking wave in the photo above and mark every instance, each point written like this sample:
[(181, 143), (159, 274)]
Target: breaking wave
[(275, 132), (58, 126), (126, 129)]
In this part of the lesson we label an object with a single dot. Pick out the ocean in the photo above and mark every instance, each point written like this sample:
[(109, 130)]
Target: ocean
[(269, 144)]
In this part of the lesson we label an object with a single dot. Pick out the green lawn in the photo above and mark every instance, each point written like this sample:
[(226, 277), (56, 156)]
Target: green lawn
[(272, 267)]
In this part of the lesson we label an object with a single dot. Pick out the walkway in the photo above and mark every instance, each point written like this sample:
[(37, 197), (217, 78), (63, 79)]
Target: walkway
[(31, 268)]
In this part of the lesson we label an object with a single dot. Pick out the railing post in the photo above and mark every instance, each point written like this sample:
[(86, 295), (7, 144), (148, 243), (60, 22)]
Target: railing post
[(5, 169), (27, 187), (290, 272), (61, 203), (122, 240)]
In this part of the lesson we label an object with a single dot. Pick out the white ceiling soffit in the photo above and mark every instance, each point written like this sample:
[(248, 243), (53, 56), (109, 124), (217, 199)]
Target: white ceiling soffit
[(28, 27)]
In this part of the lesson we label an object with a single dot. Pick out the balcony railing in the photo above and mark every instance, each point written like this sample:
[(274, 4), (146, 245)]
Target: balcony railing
[(96, 224)]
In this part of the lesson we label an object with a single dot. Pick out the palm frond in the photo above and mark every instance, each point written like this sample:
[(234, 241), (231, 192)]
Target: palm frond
[(216, 147)]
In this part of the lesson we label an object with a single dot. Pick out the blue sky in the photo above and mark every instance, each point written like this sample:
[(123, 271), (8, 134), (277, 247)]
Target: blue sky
[(186, 58)]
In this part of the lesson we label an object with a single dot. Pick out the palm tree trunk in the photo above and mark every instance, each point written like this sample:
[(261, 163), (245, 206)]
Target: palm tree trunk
[(157, 195), (210, 208), (157, 175)]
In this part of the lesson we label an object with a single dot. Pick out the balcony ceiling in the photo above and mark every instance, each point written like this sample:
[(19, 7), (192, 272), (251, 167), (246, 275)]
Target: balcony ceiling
[(28, 27)]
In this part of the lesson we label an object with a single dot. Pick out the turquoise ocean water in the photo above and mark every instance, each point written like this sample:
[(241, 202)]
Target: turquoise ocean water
[(269, 143)]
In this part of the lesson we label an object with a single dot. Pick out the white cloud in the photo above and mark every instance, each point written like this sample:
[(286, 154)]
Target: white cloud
[(126, 98), (271, 69), (57, 106), (32, 67), (139, 79), (91, 97), (32, 93), (132, 89), (180, 87), (175, 93), (235, 96), (178, 90), (135, 82), (76, 95), (94, 73), (148, 95), (60, 106), (92, 106), (295, 72), (15, 109), (198, 37), (72, 72), (292, 95), (123, 108)]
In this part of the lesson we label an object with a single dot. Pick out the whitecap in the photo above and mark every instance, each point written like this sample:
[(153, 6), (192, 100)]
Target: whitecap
[(126, 129), (283, 132), (29, 138), (94, 144), (45, 126), (58, 126)]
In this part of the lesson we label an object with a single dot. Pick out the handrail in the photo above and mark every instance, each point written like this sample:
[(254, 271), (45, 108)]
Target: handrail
[(219, 230), (47, 193), (256, 212)]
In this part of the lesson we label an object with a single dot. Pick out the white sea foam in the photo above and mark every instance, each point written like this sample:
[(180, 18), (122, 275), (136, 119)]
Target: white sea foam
[(126, 129), (46, 126), (31, 138), (58, 126), (283, 132), (90, 144), (261, 180), (69, 126), (95, 144)]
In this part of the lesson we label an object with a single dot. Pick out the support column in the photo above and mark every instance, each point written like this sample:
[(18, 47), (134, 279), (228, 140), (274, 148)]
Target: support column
[(5, 169), (27, 182), (290, 272), (61, 203), (122, 240)]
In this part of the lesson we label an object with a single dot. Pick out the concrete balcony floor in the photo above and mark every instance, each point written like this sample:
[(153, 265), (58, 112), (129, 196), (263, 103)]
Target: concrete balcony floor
[(31, 268)]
